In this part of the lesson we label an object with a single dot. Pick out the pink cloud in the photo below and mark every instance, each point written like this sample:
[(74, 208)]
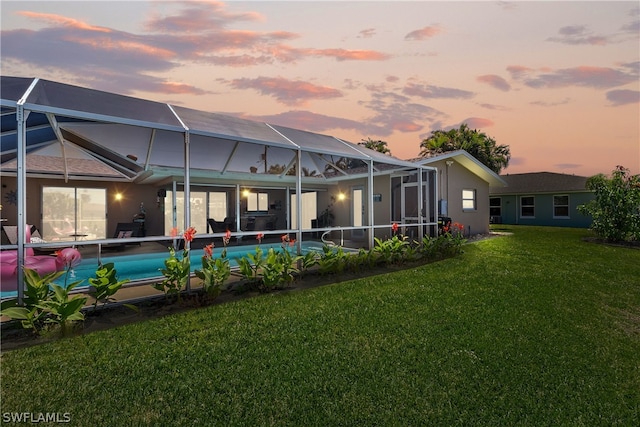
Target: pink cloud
[(180, 88), (473, 123), (345, 54), (424, 33), (289, 92), (199, 17), (623, 97), (63, 21), (495, 81)]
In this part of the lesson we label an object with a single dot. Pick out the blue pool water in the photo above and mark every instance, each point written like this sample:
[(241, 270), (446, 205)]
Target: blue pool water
[(147, 266)]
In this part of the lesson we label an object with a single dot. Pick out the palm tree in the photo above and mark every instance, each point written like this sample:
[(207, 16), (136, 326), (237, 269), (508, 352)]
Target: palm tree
[(478, 144), (379, 145)]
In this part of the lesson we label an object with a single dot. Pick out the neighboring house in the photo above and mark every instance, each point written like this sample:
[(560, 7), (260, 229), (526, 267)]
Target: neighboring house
[(541, 198), (463, 189)]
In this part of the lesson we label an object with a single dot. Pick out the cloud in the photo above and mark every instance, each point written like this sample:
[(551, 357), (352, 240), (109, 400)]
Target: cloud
[(367, 33), (314, 122), (579, 35), (551, 104), (495, 107), (424, 33), (394, 112), (495, 81), (289, 92), (518, 71), (478, 122), (623, 97), (584, 76), (199, 17), (429, 91), (199, 32)]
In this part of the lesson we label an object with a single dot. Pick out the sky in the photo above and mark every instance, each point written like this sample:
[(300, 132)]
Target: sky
[(558, 82)]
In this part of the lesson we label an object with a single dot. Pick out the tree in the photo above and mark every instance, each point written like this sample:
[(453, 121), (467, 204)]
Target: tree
[(379, 145), (479, 145), (616, 207)]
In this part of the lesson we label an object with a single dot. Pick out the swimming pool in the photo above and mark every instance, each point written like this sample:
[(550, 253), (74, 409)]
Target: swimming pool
[(147, 266)]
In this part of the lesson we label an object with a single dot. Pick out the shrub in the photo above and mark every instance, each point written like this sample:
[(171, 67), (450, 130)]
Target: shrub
[(616, 207)]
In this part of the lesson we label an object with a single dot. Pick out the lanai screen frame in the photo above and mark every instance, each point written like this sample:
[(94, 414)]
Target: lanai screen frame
[(26, 95)]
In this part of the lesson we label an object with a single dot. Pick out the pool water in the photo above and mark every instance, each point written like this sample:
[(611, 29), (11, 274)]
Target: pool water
[(147, 266)]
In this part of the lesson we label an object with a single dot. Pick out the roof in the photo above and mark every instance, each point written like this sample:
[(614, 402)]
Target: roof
[(541, 182), (469, 162), (144, 141)]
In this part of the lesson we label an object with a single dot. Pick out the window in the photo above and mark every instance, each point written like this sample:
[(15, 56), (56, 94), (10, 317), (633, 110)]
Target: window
[(495, 206), (468, 200), (69, 211), (527, 207), (257, 202), (561, 206)]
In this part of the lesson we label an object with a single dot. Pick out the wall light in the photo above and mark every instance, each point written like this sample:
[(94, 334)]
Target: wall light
[(246, 192), (341, 196), (118, 197)]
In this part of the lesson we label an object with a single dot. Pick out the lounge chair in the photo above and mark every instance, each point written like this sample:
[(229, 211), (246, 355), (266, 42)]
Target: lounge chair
[(125, 230), (229, 223)]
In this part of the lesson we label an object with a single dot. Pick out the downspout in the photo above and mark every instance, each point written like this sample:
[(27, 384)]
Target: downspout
[(420, 204), (299, 200), (21, 178), (370, 202)]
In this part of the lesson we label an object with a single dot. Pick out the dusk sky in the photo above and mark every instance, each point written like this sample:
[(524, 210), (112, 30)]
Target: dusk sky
[(558, 82)]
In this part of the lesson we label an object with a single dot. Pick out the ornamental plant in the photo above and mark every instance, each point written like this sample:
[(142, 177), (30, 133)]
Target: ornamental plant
[(46, 303), (214, 272), (615, 211), (105, 284), (176, 270)]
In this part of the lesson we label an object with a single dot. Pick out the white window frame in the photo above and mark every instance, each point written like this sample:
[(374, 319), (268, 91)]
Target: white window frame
[(75, 226), (568, 215), (257, 202), (533, 206), (469, 195)]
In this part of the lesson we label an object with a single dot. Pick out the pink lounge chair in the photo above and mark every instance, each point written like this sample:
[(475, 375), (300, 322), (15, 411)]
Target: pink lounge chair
[(9, 269)]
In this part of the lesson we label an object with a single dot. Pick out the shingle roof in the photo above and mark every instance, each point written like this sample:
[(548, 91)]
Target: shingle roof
[(540, 182)]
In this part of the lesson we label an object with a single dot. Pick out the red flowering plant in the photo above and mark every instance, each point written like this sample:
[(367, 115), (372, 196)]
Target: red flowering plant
[(176, 271), (215, 271)]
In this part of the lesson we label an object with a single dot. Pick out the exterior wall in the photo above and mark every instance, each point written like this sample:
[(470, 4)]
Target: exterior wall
[(543, 215), (117, 211), (451, 181)]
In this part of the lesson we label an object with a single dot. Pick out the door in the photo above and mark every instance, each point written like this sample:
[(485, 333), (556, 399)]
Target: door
[(357, 211)]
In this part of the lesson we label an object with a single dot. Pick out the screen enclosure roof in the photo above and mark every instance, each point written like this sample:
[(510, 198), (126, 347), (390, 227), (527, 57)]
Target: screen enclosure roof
[(79, 133)]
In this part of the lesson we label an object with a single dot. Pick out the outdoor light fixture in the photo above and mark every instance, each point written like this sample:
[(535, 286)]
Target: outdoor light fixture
[(341, 196), (118, 197), (246, 192)]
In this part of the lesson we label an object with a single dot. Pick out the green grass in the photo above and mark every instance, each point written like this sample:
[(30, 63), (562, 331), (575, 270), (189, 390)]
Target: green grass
[(538, 329)]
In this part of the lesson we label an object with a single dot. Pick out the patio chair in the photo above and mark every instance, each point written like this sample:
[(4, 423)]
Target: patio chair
[(229, 223), (124, 230)]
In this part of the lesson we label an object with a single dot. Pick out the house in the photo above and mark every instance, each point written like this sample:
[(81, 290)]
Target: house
[(463, 189), (80, 163), (541, 198)]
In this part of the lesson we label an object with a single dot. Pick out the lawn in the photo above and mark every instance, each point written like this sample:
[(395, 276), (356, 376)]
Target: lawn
[(535, 328)]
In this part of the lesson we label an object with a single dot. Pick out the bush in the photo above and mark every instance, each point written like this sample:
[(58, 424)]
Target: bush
[(616, 207)]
